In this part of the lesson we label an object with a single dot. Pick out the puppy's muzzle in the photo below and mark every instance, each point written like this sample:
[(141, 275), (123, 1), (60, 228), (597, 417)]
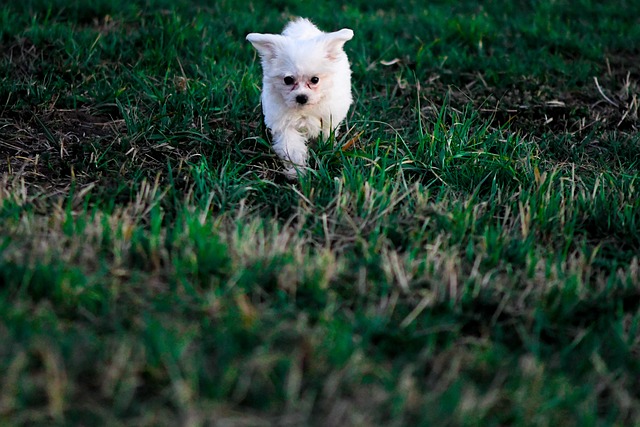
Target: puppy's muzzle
[(302, 99)]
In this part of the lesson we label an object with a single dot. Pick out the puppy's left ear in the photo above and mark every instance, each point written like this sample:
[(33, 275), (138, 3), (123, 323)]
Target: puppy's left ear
[(335, 41), (267, 45)]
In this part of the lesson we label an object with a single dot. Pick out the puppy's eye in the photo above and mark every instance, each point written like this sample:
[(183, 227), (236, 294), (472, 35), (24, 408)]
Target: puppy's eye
[(314, 80), (289, 80)]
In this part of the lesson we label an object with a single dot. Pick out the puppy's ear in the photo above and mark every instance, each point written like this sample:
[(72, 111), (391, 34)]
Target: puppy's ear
[(335, 41), (267, 45)]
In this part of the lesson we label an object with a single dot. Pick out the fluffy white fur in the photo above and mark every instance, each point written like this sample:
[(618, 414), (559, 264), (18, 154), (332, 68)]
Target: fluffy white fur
[(306, 87)]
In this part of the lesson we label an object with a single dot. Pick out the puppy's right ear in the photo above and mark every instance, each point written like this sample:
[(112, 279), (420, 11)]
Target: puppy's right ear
[(267, 45), (335, 41)]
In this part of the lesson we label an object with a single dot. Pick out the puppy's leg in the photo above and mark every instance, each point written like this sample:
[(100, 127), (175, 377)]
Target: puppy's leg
[(291, 147), (328, 127)]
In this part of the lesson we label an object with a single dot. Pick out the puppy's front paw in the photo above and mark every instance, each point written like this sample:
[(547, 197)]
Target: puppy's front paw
[(292, 173), (291, 147)]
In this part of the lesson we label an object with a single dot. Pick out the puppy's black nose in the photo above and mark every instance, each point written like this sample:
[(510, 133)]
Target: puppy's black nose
[(302, 99)]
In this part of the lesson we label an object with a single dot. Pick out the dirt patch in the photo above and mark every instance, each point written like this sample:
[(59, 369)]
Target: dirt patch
[(45, 146), (610, 101)]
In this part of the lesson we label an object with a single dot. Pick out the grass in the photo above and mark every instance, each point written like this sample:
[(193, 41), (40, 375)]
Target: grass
[(472, 258)]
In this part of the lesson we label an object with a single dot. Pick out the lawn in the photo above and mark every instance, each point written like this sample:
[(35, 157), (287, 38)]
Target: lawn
[(464, 253)]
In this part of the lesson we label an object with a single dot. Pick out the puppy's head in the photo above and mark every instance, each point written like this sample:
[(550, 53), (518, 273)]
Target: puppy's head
[(302, 71)]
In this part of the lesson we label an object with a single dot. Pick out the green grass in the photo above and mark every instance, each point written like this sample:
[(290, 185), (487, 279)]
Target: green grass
[(471, 260)]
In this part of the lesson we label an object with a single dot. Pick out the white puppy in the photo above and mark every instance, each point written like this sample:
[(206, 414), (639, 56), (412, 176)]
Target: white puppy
[(306, 87)]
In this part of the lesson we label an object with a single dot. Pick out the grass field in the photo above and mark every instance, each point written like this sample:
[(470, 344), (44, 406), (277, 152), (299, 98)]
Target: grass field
[(466, 253)]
